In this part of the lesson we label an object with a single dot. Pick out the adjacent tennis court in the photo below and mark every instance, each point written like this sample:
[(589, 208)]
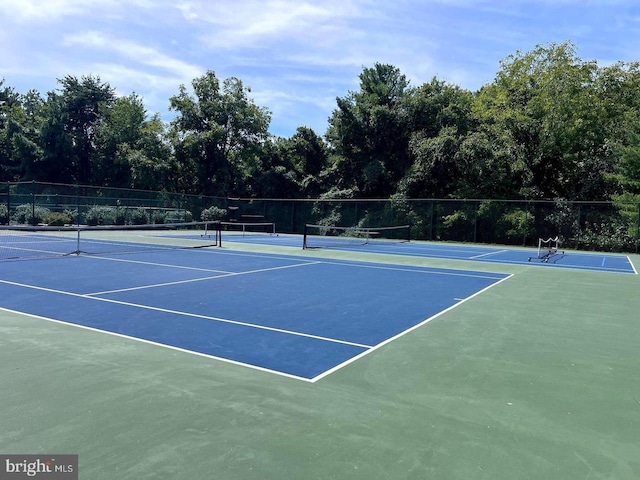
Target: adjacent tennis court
[(397, 244), (157, 353)]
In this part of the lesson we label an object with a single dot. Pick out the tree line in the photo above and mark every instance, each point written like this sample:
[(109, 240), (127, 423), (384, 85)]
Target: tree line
[(549, 126)]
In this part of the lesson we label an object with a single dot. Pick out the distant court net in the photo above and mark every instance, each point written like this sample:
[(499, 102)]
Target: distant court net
[(238, 230), (30, 242), (323, 236)]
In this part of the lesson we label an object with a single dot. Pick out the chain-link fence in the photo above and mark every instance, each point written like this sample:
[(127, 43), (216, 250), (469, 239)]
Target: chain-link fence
[(604, 226)]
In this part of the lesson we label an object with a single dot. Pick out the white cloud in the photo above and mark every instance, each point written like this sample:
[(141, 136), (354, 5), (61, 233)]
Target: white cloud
[(134, 52), (50, 10), (234, 24)]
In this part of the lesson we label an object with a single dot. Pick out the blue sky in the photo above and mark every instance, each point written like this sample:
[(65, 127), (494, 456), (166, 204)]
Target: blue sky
[(296, 55)]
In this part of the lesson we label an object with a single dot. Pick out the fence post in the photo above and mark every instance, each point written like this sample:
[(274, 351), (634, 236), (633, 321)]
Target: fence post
[(579, 232), (526, 222), (77, 204), (431, 202), (293, 216), (638, 230), (475, 221), (8, 203), (33, 202)]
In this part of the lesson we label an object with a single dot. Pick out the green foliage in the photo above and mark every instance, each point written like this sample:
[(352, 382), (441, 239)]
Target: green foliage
[(120, 216), (564, 219), (502, 222), (218, 132), (457, 225), (139, 216), (57, 219), (213, 213), (608, 237), (369, 135), (72, 213), (27, 214), (101, 215), (159, 217), (4, 214), (628, 207)]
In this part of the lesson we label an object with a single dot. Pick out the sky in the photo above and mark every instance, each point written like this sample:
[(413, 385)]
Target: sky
[(297, 56)]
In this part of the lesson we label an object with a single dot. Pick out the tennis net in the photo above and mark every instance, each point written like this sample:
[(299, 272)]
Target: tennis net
[(323, 236), (238, 230), (30, 242)]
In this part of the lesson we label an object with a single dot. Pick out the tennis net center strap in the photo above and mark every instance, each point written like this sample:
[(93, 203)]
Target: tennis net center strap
[(331, 236)]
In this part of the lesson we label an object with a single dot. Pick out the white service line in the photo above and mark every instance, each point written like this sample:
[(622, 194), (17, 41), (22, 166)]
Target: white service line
[(488, 254), (223, 275), (185, 314)]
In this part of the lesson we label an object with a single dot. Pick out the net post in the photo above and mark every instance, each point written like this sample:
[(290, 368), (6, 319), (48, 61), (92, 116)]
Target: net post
[(304, 237)]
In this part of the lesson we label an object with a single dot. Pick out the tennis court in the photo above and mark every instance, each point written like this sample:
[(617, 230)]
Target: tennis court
[(307, 317), (578, 260), (264, 360)]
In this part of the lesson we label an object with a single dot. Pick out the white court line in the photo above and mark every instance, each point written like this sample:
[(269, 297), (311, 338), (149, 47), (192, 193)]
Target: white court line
[(223, 275), (157, 344), (488, 254), (424, 270), (403, 333), (186, 314), (156, 264), (155, 285)]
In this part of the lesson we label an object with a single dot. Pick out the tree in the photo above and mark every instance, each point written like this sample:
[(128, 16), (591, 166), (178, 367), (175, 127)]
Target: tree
[(547, 101), (16, 131), (440, 120), (131, 150), (59, 160), (115, 137), (151, 163), (218, 134), (368, 134), (85, 102), (307, 154)]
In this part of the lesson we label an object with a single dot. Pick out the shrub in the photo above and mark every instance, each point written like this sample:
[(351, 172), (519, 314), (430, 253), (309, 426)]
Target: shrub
[(159, 217), (100, 215), (4, 214), (120, 217), (212, 214), (139, 217), (26, 213), (607, 237), (57, 219), (72, 213)]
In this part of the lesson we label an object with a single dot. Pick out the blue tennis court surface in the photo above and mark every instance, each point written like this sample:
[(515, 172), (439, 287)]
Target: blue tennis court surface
[(493, 254), (296, 316)]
